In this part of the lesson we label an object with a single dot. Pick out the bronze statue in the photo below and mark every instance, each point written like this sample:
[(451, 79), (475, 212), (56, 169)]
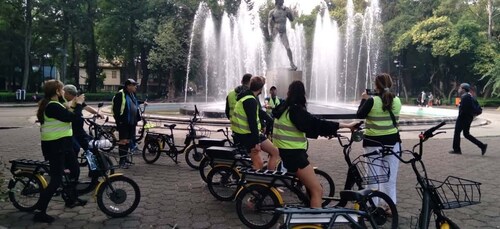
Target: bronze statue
[(277, 25)]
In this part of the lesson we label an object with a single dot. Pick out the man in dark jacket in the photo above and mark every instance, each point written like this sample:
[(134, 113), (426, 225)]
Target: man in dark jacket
[(126, 114), (464, 120)]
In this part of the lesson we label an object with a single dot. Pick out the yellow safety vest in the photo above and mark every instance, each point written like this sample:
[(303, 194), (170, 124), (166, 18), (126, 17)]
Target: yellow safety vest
[(286, 135), (231, 99), (53, 129), (124, 102), (239, 118), (379, 122), (272, 104)]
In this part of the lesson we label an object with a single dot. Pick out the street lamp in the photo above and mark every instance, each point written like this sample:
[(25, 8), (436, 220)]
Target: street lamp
[(399, 66)]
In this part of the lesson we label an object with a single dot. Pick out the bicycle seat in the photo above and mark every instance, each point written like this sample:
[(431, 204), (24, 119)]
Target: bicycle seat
[(172, 126), (351, 195)]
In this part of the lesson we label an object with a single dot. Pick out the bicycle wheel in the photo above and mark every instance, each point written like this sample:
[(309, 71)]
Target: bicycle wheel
[(118, 196), (255, 206), (194, 156), (443, 222), (204, 168), (85, 186), (24, 191), (327, 184), (223, 182), (377, 217), (151, 151)]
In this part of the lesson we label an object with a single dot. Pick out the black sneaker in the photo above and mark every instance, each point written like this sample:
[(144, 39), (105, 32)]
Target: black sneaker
[(78, 202), (483, 149), (43, 218), (455, 152)]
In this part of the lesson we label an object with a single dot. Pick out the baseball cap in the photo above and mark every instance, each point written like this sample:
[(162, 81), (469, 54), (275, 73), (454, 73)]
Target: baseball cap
[(130, 81), (465, 86)]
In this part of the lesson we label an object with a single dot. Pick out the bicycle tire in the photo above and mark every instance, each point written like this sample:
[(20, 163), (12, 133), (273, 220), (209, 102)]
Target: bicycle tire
[(204, 168), (193, 156), (261, 203), (151, 151), (223, 182), (117, 196), (24, 191), (446, 223), (327, 185), (378, 214)]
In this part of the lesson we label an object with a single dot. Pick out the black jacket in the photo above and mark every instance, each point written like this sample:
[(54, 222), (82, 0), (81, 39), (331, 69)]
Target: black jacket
[(465, 109), (124, 118), (306, 122)]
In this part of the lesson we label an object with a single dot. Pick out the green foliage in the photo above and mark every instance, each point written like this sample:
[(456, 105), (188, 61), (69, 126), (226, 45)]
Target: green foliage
[(491, 102), (168, 52), (493, 76)]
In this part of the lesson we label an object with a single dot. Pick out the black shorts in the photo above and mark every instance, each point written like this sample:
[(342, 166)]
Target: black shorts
[(243, 140), (126, 131), (294, 159)]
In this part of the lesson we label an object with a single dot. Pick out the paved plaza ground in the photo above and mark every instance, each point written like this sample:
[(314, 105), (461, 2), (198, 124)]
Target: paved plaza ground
[(175, 194)]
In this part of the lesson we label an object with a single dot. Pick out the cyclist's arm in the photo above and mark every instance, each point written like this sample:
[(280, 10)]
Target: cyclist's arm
[(60, 113), (364, 108), (312, 126)]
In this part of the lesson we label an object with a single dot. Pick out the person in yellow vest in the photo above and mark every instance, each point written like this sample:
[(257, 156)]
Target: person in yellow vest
[(246, 125), (125, 107), (272, 101), (293, 124), (381, 112), (233, 94), (56, 140)]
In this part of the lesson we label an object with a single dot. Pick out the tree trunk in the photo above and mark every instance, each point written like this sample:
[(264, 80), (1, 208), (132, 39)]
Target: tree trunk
[(145, 70), (489, 9), (130, 53), (171, 85), (75, 66), (27, 44), (91, 57)]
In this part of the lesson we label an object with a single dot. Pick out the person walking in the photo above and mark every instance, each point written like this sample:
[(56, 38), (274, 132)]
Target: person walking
[(430, 99), (381, 114), (246, 125), (293, 124), (233, 94), (125, 108), (56, 141), (464, 120)]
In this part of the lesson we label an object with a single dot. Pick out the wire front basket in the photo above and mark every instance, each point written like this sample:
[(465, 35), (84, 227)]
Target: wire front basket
[(202, 132), (372, 171), (454, 192)]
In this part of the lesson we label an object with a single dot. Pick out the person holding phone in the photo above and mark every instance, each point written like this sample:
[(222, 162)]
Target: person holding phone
[(381, 111)]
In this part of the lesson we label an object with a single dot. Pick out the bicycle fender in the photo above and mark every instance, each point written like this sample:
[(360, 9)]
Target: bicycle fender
[(102, 182), (38, 176), (273, 189)]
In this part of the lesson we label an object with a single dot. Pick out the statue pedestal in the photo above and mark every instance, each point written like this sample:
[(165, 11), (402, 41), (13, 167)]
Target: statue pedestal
[(281, 78)]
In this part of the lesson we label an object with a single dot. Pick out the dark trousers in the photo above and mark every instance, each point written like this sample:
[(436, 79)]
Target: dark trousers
[(57, 166), (463, 124)]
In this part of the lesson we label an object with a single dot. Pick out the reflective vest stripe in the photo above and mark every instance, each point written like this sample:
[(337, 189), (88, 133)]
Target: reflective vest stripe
[(53, 129), (286, 135), (382, 118), (272, 104), (376, 127), (124, 102)]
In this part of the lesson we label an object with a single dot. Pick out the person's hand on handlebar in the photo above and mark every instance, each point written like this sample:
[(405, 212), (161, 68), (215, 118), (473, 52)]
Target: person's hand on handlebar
[(352, 125)]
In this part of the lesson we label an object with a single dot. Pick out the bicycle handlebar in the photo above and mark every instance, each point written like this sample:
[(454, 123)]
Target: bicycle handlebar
[(429, 133)]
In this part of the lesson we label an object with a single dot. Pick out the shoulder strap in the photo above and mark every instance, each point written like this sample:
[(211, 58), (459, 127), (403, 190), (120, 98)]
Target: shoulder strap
[(394, 123)]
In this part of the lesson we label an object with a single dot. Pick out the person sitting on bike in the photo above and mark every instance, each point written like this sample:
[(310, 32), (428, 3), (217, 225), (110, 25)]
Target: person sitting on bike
[(382, 114), (57, 147), (125, 107), (232, 96), (80, 137), (246, 125), (293, 124)]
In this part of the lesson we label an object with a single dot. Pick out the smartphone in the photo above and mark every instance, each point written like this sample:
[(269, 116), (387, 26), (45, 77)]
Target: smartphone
[(371, 91)]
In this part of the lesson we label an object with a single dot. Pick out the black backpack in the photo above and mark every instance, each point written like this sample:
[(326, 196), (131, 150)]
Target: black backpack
[(476, 108)]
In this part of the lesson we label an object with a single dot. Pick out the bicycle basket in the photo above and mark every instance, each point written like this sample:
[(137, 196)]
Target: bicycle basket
[(202, 132), (453, 192), (372, 171)]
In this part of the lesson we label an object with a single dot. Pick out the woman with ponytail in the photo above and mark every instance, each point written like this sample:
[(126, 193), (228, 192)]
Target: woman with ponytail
[(57, 146), (381, 112)]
